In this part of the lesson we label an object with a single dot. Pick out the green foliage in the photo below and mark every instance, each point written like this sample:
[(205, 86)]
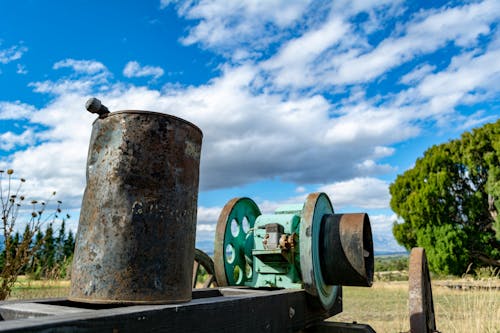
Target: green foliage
[(445, 244), (54, 257), (391, 263), (449, 202)]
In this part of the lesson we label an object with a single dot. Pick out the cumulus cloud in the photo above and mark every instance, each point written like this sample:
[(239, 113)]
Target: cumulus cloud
[(417, 74), (353, 60), (81, 66), (10, 140), (12, 53), (383, 241), (366, 193), (134, 69), (467, 76), (226, 26), (15, 110)]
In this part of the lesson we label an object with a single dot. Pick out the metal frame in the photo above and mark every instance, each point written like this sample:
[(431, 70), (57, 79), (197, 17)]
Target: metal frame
[(211, 310)]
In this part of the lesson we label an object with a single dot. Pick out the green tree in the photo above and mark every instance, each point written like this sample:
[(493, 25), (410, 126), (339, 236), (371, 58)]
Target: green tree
[(48, 253), (449, 202), (69, 245)]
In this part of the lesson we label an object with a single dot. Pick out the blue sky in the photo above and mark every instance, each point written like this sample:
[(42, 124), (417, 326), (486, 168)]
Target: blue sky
[(292, 96)]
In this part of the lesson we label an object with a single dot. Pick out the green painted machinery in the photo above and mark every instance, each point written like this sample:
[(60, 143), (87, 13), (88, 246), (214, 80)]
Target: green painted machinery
[(299, 246)]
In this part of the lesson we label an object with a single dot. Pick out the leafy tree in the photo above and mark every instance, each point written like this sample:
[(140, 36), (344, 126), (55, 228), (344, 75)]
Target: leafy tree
[(449, 202)]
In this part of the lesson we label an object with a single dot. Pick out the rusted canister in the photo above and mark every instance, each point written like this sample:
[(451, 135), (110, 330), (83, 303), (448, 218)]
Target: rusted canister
[(135, 240), (347, 250)]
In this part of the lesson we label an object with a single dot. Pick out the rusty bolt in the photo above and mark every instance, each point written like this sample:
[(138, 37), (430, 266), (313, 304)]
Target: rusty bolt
[(94, 105)]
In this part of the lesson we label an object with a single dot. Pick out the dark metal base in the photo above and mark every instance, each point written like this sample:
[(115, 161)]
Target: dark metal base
[(211, 310)]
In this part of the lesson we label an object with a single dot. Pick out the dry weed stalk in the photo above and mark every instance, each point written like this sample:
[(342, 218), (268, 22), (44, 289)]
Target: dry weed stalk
[(17, 252)]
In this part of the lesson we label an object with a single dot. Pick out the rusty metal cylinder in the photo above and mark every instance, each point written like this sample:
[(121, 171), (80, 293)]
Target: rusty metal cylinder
[(346, 250), (135, 239)]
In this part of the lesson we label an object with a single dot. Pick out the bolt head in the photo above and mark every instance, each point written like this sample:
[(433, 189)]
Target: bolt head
[(93, 105)]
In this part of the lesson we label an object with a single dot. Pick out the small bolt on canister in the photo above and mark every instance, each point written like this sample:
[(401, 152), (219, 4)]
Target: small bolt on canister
[(94, 105)]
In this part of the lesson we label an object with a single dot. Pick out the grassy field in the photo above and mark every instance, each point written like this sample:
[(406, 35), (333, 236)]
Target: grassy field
[(32, 289), (384, 306)]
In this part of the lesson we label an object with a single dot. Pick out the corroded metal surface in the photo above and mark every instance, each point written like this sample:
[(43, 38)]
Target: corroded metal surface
[(422, 319), (220, 231), (347, 250), (135, 242)]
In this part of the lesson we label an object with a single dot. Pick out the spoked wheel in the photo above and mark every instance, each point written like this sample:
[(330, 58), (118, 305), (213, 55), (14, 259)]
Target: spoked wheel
[(422, 318), (234, 242), (203, 265)]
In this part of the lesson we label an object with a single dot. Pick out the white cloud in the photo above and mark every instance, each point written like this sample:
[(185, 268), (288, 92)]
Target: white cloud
[(205, 228), (134, 69), (383, 240), (81, 66), (366, 193), (417, 74), (15, 110), (21, 69), (9, 140), (466, 74), (337, 54), (208, 215), (292, 63), (300, 189), (224, 25), (429, 31), (12, 53)]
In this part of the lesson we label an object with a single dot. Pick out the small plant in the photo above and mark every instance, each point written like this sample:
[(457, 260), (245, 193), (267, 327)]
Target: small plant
[(487, 272), (19, 250)]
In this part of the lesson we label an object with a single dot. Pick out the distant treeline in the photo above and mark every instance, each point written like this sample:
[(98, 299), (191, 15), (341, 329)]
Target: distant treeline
[(391, 263), (53, 258)]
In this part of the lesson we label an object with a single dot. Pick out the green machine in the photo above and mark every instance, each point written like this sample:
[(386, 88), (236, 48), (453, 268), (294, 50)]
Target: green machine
[(299, 246)]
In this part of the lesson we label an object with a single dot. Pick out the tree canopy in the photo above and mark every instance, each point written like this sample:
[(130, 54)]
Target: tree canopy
[(449, 202)]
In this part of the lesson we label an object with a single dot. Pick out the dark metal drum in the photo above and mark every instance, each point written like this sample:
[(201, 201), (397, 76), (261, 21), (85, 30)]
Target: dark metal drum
[(135, 240)]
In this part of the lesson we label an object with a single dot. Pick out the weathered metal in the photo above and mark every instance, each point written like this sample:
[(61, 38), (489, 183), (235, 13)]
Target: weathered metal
[(135, 240), (347, 250), (212, 310), (422, 317)]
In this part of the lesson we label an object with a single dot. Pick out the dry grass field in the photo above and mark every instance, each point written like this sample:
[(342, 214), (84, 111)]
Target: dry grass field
[(384, 306), (35, 289)]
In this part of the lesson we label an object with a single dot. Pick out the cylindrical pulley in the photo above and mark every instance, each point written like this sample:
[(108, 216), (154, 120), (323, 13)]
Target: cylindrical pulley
[(135, 241), (347, 250)]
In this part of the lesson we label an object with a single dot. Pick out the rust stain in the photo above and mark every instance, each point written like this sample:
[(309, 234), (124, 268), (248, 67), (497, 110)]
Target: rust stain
[(135, 242)]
